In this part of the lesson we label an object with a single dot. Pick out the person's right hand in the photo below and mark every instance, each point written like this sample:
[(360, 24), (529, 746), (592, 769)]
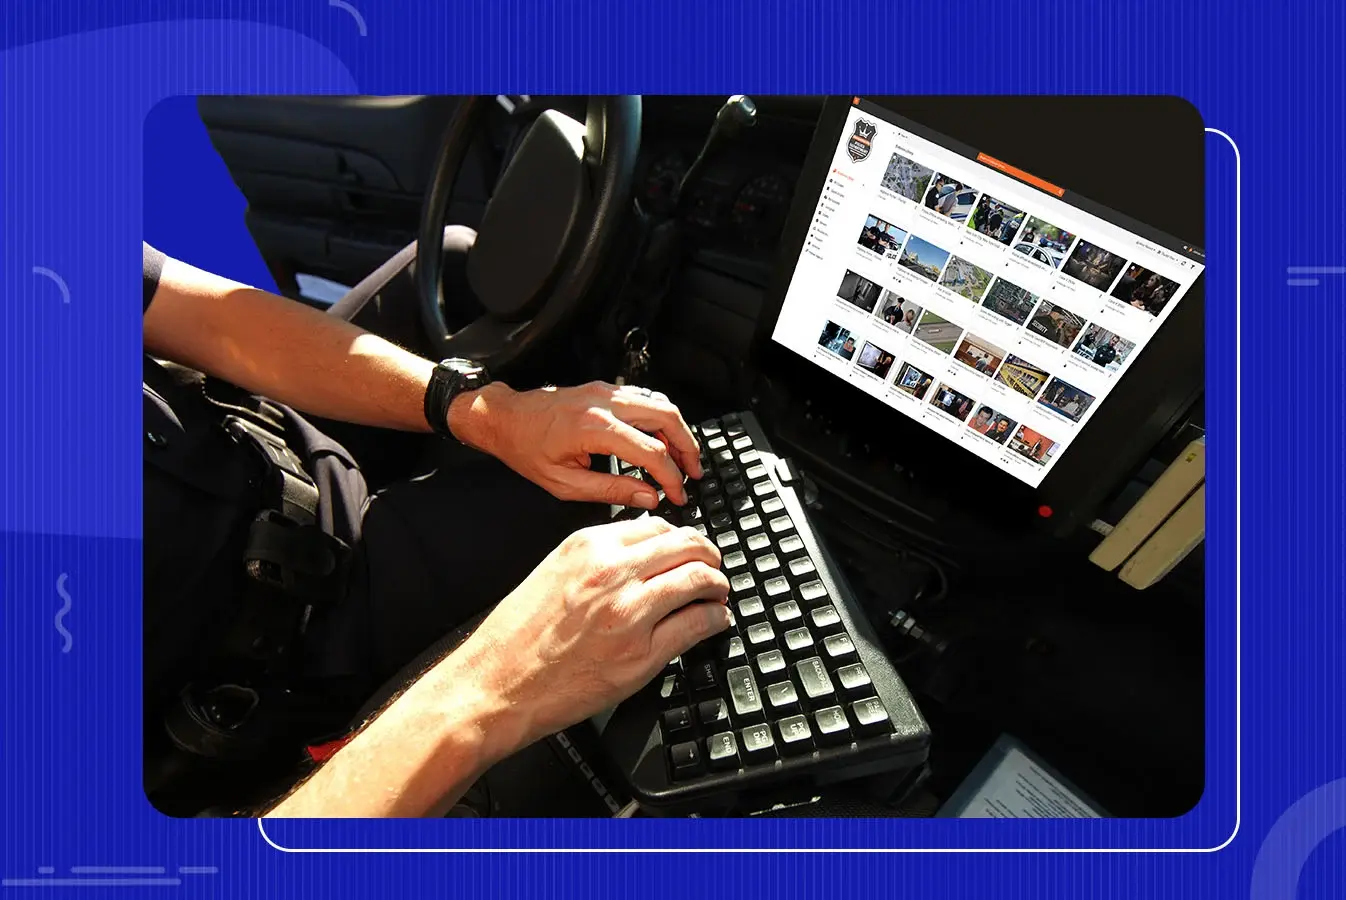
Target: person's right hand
[(594, 622)]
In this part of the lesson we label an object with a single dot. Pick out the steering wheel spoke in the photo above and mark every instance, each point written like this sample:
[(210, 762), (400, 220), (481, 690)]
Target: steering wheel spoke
[(546, 232)]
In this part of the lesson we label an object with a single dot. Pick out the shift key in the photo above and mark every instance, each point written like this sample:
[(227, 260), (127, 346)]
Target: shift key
[(743, 693)]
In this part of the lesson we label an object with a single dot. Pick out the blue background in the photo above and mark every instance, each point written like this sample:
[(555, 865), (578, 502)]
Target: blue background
[(91, 162)]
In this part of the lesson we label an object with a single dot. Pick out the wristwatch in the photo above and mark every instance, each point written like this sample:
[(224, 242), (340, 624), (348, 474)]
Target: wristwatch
[(450, 378)]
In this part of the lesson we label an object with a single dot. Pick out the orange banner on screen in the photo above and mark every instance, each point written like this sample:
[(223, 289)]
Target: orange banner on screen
[(1021, 175)]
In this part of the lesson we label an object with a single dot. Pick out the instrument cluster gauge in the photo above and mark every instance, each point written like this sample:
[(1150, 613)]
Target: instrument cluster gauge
[(662, 179), (760, 208)]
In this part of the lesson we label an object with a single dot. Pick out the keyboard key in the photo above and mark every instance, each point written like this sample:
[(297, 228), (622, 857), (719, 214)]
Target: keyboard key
[(812, 590), (782, 698), (838, 648), (758, 541), (763, 488), (724, 456), (814, 680), (870, 716), (743, 692), (801, 566), (735, 560), (799, 642), (780, 524), (717, 443), (831, 727), (701, 529), (702, 676), (767, 563), (750, 522), (795, 736), (690, 515), (677, 719), (687, 761), (713, 713), (726, 539), (751, 608), (749, 456), (825, 619), (854, 680), (721, 521), (771, 505), (728, 471), (754, 472), (786, 612), (710, 428), (742, 506), (732, 651), (742, 583), (735, 488), (760, 635), (735, 430), (791, 544), (758, 745), (770, 662), (776, 586), (723, 751), (742, 442), (670, 688), (713, 503)]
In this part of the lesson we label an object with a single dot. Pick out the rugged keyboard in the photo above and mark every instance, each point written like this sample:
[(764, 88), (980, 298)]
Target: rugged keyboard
[(798, 691)]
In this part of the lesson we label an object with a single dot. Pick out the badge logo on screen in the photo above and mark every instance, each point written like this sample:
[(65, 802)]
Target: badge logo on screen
[(861, 140)]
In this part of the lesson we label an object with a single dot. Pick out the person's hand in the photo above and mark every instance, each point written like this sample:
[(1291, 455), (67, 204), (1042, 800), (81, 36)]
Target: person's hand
[(593, 623), (547, 436)]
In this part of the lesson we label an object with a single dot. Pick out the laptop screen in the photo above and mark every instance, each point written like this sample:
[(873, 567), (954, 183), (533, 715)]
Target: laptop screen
[(985, 303)]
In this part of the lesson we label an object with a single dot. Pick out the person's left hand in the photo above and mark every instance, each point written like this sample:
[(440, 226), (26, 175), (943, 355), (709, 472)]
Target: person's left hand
[(547, 436)]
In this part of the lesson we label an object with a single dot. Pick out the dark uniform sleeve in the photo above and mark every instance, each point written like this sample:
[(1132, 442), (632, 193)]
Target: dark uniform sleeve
[(154, 266)]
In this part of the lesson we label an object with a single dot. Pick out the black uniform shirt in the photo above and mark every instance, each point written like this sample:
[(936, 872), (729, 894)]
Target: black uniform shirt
[(200, 495)]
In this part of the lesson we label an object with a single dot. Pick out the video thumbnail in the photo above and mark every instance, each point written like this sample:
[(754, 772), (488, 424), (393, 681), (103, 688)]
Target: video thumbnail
[(898, 312), (1032, 445), (859, 291), (1066, 399), (1143, 289), (923, 257), (1044, 242), (949, 401), (882, 238), (1056, 324), (1010, 301), (964, 278), (906, 178), (938, 332), (996, 219), (1103, 348), (979, 354), (875, 359), (838, 340), (951, 198), (913, 381), (992, 424), (1093, 265), (1022, 375)]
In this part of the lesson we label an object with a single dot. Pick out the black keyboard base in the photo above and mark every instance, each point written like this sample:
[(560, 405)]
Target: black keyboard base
[(798, 695)]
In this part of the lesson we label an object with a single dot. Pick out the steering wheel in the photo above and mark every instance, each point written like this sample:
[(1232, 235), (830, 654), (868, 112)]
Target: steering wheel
[(547, 229)]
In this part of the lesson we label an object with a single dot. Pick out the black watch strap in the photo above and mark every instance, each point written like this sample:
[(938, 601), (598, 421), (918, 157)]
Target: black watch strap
[(450, 378)]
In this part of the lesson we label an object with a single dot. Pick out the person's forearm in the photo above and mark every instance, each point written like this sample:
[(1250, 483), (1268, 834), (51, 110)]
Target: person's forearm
[(286, 351), (420, 755)]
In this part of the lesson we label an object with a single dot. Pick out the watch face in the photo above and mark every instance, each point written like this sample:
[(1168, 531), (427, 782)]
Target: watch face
[(467, 369)]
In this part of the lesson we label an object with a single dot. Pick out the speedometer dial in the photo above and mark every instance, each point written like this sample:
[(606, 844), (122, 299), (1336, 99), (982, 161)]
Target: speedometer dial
[(760, 208)]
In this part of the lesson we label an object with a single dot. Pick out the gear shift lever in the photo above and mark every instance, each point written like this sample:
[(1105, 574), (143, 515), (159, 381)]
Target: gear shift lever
[(737, 114)]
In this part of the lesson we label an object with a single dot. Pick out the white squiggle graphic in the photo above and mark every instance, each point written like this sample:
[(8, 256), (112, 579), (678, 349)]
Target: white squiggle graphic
[(60, 282), (65, 608), (355, 14)]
